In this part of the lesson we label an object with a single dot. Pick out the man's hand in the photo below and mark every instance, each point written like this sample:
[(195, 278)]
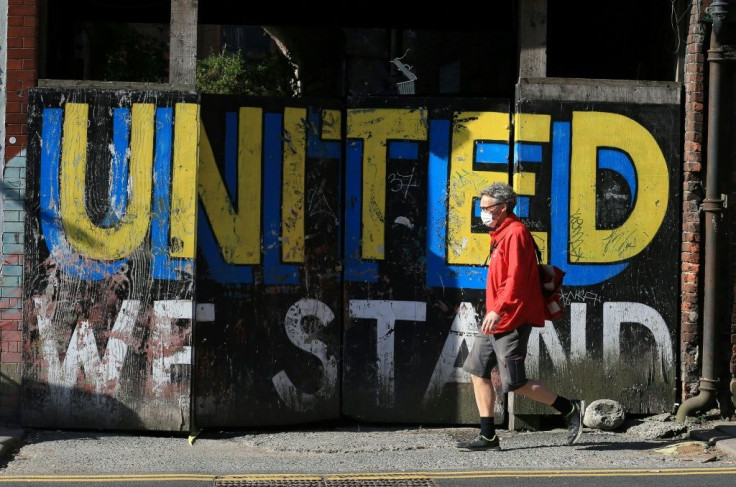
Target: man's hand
[(490, 321)]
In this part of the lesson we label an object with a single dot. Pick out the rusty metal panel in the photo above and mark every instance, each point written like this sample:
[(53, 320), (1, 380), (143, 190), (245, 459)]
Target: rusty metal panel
[(268, 264), (109, 256), (414, 253), (602, 181)]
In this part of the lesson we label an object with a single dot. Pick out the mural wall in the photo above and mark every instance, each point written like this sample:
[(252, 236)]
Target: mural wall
[(109, 259), (338, 265), (414, 253), (268, 267), (607, 205)]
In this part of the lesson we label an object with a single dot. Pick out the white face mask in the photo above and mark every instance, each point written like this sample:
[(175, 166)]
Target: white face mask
[(487, 218)]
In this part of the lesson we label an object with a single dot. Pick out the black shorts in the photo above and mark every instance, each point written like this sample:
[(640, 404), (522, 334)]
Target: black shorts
[(505, 350)]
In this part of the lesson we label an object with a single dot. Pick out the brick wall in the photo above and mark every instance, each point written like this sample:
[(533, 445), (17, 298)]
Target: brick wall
[(694, 161), (693, 194), (22, 74)]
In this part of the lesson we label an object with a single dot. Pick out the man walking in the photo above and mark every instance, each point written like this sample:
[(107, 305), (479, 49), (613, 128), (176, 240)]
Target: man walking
[(514, 304)]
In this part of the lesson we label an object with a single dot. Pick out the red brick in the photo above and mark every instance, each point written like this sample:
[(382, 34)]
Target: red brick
[(16, 117), (14, 130), (31, 20), (16, 31), (692, 146), (11, 358), (15, 42), (689, 328), (16, 292), (689, 298), (690, 287), (11, 152), (9, 303), (13, 96), (14, 64), (21, 53), (14, 85), (11, 336), (691, 227), (15, 21), (11, 314), (687, 257), (25, 74), (689, 337), (22, 9), (11, 260), (690, 247), (11, 325), (688, 277)]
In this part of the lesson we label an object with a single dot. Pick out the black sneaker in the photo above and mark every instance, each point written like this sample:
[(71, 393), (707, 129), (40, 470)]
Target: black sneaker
[(575, 421), (480, 442)]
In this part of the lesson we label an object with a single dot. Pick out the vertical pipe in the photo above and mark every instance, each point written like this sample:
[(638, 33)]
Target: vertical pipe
[(712, 206)]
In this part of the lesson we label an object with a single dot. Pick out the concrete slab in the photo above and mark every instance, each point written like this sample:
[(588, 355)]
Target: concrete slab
[(710, 435), (727, 446)]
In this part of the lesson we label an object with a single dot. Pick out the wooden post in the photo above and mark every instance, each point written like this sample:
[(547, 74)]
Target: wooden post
[(183, 42), (533, 39)]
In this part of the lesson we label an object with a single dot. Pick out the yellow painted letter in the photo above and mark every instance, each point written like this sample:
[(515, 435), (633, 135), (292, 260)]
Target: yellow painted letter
[(594, 130), (84, 236), (465, 247), (238, 233), (184, 180), (375, 127)]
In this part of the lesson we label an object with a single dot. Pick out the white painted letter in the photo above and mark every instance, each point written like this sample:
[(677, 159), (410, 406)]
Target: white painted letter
[(163, 339), (386, 313), (293, 397), (464, 328), (616, 313)]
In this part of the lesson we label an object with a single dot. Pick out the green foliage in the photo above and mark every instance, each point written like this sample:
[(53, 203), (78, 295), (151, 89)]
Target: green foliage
[(228, 73), (221, 74)]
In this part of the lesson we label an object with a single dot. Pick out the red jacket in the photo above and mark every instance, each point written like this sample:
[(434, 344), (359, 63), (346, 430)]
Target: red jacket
[(513, 289)]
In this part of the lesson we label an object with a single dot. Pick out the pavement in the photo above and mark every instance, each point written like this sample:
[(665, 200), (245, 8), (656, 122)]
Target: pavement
[(640, 444), (722, 435)]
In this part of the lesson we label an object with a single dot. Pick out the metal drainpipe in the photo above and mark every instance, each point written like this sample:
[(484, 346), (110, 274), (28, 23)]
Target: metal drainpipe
[(713, 206)]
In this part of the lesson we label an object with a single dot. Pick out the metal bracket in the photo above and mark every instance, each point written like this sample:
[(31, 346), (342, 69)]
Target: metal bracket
[(714, 205)]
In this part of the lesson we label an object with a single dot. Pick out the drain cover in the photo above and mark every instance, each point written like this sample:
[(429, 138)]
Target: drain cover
[(325, 482)]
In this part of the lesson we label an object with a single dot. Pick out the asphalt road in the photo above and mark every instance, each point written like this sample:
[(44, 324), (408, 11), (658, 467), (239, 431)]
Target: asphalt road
[(357, 456), (570, 478)]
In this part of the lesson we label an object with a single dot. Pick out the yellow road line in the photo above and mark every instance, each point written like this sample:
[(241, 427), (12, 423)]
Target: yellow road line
[(653, 472), (107, 478), (489, 474)]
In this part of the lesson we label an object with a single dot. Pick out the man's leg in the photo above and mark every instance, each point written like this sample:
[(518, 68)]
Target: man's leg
[(512, 358), (485, 400), (478, 364), (484, 395), (572, 409), (538, 392)]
